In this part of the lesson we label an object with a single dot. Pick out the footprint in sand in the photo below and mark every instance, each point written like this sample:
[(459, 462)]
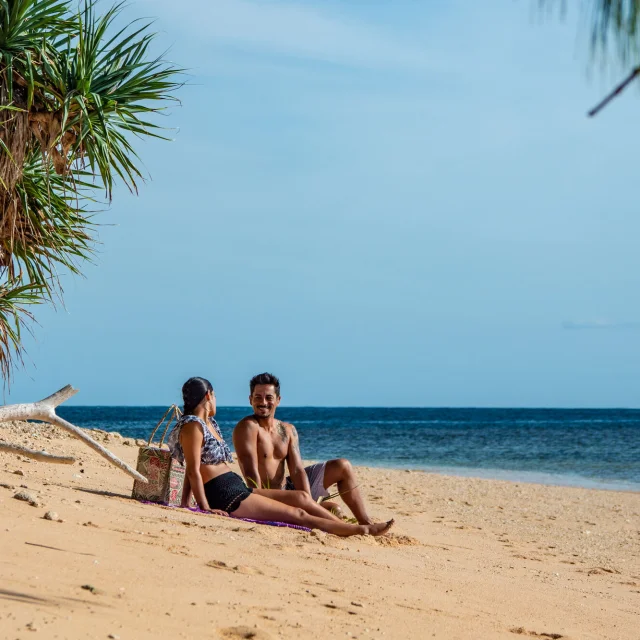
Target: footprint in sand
[(519, 556), (396, 540), (596, 571), (236, 633), (524, 632), (248, 571)]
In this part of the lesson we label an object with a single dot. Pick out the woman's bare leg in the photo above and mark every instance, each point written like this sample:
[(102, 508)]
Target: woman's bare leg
[(299, 499), (259, 507)]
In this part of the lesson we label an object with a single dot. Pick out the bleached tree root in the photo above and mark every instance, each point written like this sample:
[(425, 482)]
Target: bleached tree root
[(45, 410), (40, 456)]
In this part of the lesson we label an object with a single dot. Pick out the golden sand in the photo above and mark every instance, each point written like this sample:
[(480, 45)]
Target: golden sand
[(468, 558)]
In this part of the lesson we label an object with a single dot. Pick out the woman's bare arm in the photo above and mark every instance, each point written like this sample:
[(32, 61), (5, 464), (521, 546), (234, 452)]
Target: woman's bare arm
[(186, 491), (191, 438)]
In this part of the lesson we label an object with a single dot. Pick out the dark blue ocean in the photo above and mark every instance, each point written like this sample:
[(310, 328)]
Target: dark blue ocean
[(583, 447)]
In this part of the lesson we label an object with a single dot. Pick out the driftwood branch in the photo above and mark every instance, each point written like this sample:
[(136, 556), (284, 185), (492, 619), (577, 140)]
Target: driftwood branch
[(616, 92), (45, 410), (105, 453), (41, 456), (57, 398)]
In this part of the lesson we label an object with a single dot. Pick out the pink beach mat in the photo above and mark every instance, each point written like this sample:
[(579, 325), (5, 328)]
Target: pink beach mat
[(271, 523)]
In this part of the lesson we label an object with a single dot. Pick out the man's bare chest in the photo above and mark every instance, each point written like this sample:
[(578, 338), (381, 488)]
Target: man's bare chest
[(273, 444)]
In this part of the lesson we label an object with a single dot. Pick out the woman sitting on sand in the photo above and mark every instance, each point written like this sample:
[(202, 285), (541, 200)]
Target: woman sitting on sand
[(196, 442)]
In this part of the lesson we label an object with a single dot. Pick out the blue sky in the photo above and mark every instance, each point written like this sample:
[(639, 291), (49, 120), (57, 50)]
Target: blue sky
[(398, 204)]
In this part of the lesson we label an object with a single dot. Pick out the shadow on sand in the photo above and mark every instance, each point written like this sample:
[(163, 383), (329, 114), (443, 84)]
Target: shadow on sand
[(44, 546), (108, 494), (21, 597)]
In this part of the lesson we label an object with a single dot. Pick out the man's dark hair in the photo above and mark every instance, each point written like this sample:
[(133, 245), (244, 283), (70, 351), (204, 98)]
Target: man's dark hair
[(265, 378)]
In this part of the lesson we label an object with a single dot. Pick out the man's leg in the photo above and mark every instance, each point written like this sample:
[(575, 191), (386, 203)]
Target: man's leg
[(335, 508), (299, 499), (340, 472)]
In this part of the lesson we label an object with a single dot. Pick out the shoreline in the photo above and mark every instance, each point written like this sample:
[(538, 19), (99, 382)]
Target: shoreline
[(517, 445), (543, 478), (508, 475), (462, 557)]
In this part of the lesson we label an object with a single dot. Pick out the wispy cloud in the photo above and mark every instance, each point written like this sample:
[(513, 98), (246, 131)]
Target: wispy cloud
[(291, 29), (599, 324)]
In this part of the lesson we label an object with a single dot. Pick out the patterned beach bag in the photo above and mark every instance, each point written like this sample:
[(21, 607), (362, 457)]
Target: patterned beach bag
[(165, 475)]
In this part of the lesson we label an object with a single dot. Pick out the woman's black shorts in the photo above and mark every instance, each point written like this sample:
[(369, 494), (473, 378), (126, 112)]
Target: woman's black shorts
[(226, 492)]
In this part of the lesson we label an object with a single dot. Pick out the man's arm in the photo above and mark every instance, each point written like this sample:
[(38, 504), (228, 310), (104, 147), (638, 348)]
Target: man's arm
[(245, 442), (294, 462)]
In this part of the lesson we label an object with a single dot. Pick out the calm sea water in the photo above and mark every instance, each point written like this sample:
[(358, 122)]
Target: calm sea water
[(595, 448)]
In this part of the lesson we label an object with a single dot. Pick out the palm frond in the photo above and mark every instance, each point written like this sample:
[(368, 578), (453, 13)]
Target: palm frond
[(24, 26), (55, 226), (75, 93), (617, 20), (14, 318), (106, 88), (614, 22)]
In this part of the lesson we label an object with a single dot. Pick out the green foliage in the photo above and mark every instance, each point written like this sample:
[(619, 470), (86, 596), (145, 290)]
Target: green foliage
[(57, 223), (14, 316), (616, 20), (105, 89), (612, 22), (265, 485), (75, 93)]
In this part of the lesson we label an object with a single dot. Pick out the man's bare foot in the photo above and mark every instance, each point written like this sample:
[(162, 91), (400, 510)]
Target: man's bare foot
[(379, 528)]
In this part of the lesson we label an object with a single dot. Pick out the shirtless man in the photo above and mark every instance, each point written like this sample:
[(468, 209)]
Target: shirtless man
[(263, 444)]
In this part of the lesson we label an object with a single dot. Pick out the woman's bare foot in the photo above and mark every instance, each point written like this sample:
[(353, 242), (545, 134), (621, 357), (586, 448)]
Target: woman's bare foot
[(379, 528)]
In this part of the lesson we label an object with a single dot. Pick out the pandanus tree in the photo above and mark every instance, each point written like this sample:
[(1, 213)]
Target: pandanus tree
[(75, 94)]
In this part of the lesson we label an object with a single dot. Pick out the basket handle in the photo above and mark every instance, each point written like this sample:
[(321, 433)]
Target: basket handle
[(177, 414), (174, 414)]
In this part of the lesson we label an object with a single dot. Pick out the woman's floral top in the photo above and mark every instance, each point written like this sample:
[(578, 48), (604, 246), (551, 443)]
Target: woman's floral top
[(213, 451)]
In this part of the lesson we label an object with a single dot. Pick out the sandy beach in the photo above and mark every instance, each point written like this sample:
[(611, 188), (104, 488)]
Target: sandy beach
[(468, 558)]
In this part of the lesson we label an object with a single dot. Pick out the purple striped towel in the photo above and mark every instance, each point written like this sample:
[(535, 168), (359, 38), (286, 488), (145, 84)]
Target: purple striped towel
[(270, 523)]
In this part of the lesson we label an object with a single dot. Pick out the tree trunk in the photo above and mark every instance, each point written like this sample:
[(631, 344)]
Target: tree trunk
[(45, 410), (15, 134)]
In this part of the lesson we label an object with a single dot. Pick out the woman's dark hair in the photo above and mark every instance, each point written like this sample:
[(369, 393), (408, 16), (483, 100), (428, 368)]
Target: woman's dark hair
[(193, 391)]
